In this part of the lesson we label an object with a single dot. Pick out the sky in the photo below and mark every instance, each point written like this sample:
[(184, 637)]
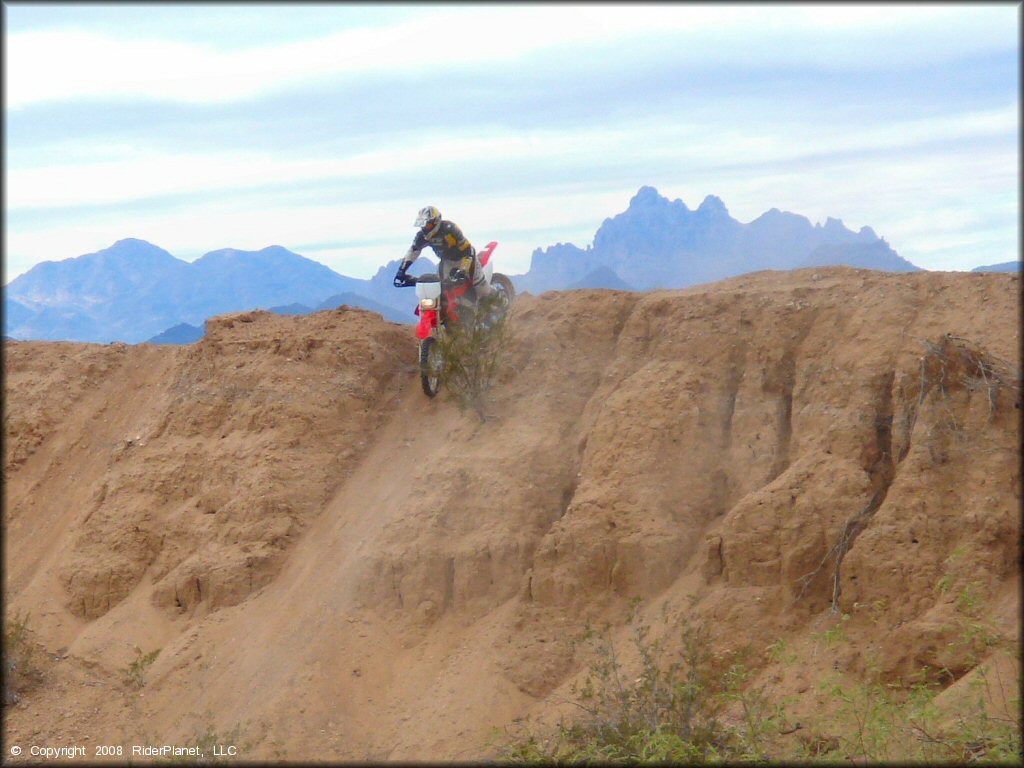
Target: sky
[(325, 127)]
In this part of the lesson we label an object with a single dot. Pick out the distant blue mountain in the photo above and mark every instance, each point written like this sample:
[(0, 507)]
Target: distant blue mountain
[(390, 312), (291, 309), (182, 333), (557, 267), (1006, 266), (15, 313), (876, 255), (356, 300), (380, 287), (352, 300), (658, 243), (602, 277), (135, 290), (230, 280), (126, 292)]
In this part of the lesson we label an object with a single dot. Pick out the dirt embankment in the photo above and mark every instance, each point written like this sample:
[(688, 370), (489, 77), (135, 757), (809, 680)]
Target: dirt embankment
[(345, 570)]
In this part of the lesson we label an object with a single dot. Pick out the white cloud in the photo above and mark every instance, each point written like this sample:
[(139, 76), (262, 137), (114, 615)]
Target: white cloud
[(66, 63), (138, 175), (50, 65), (902, 177)]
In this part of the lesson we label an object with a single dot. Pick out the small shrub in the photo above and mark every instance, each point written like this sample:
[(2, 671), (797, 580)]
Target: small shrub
[(472, 352), (208, 738), (778, 652), (215, 747), (976, 636), (670, 712), (135, 673), (675, 712), (21, 672), (883, 723), (762, 720), (837, 634)]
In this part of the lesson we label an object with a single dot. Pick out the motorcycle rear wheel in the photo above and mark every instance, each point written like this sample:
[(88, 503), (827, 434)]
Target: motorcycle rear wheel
[(503, 285), (430, 366)]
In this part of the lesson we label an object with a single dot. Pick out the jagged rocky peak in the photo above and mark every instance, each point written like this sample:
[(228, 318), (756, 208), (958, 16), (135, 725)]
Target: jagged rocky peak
[(775, 215), (560, 248), (648, 197), (713, 205)]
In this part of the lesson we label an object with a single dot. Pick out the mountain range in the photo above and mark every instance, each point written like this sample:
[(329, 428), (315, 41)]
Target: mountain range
[(135, 291), (185, 333), (1006, 266), (657, 243)]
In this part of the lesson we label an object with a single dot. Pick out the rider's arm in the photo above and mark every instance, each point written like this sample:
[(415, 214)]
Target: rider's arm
[(418, 244)]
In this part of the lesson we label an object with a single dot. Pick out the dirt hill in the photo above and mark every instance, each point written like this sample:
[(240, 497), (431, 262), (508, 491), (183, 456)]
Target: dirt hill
[(333, 567)]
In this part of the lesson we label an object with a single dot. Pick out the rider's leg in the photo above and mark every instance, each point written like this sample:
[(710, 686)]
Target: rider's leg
[(481, 288), (467, 300)]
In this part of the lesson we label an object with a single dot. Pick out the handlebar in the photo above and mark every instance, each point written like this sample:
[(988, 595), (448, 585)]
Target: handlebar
[(407, 281), (404, 281)]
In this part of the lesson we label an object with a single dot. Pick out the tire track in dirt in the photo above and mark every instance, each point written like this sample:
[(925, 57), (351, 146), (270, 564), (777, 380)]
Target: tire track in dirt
[(311, 614)]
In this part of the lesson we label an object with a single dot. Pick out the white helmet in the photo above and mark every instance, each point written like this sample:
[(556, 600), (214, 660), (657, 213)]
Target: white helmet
[(428, 219)]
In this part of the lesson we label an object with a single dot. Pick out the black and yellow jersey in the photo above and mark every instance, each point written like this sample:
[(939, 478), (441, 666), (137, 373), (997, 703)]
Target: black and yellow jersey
[(448, 243)]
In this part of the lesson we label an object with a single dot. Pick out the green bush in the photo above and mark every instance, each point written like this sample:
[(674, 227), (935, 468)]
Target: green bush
[(670, 712), (884, 723), (135, 672), (472, 352), (204, 735), (675, 712)]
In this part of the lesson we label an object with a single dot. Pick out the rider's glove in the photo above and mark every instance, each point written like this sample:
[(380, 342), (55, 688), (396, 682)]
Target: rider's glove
[(458, 275), (399, 281)]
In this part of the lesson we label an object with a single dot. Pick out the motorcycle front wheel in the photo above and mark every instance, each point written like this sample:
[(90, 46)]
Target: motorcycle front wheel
[(430, 366)]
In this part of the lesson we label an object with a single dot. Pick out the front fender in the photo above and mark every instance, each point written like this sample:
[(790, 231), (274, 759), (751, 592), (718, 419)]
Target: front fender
[(428, 322)]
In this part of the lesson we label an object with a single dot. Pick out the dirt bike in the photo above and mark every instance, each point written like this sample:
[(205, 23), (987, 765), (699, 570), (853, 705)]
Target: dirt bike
[(439, 307)]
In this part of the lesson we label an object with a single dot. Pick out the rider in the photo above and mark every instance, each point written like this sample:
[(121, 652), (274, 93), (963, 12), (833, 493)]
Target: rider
[(456, 254)]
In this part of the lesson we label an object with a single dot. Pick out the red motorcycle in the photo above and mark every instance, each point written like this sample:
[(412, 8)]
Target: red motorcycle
[(440, 302)]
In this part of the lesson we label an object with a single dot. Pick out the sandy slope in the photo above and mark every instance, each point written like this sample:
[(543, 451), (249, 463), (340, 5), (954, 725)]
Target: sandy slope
[(345, 570)]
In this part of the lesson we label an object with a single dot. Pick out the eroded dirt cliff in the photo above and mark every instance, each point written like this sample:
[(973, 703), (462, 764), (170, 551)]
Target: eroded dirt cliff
[(345, 570)]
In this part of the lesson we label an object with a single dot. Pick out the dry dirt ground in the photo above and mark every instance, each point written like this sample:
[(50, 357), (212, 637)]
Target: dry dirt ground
[(333, 567)]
